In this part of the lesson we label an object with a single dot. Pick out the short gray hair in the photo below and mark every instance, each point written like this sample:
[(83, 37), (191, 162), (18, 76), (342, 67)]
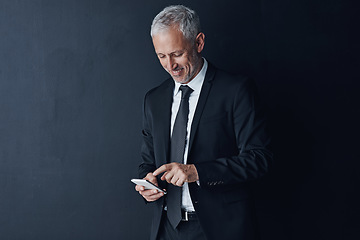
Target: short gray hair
[(186, 19)]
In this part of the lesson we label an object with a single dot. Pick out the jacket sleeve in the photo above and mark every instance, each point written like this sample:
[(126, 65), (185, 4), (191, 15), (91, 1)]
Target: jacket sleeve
[(147, 148), (254, 156)]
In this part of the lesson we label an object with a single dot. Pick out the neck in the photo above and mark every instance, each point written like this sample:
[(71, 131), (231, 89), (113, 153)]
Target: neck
[(200, 64)]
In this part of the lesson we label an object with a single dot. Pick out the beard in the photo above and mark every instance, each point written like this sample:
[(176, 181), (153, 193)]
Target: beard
[(194, 69)]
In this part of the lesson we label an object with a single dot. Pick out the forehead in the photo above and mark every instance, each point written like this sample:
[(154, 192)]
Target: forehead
[(169, 41)]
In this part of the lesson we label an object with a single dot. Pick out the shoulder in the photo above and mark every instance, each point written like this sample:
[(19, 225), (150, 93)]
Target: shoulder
[(226, 81), (160, 90)]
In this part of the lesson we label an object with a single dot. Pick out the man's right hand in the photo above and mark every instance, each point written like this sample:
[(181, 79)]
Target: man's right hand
[(151, 194)]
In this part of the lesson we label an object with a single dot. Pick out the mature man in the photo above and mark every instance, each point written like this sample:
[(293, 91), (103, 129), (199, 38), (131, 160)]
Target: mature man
[(204, 139)]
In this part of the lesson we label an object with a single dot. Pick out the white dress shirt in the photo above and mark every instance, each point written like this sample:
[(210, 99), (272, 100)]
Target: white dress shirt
[(196, 85)]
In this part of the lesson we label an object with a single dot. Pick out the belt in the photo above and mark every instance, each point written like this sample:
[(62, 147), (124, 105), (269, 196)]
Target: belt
[(188, 216)]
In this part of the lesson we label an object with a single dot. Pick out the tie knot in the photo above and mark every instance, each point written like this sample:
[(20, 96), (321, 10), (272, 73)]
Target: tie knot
[(186, 91)]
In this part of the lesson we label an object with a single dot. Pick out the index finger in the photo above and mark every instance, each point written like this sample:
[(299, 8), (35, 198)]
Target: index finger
[(161, 169)]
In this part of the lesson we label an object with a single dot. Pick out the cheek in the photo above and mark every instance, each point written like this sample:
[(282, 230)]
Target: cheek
[(163, 63), (184, 63)]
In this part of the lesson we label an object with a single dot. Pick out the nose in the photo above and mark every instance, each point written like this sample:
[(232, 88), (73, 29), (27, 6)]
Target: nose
[(171, 63)]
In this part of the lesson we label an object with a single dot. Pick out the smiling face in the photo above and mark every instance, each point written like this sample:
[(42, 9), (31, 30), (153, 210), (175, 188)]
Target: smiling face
[(178, 56)]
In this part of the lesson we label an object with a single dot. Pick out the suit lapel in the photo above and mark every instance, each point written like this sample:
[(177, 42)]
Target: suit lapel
[(210, 73)]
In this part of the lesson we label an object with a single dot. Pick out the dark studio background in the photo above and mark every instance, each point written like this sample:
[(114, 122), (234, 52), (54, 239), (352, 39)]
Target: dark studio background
[(72, 79)]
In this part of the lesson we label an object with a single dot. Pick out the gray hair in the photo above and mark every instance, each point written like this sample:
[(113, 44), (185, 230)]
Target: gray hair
[(186, 19)]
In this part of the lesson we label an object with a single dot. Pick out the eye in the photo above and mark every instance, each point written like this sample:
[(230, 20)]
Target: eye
[(161, 56), (178, 54)]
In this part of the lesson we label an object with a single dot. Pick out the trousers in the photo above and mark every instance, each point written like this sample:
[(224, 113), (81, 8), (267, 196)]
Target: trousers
[(186, 230)]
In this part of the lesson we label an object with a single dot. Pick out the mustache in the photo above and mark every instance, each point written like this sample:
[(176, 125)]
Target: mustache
[(177, 69)]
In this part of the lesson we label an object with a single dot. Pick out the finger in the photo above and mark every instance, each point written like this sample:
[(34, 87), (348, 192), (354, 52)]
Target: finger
[(163, 177), (139, 188), (169, 176), (148, 193), (153, 181), (150, 177), (154, 197), (174, 180), (179, 182), (161, 169)]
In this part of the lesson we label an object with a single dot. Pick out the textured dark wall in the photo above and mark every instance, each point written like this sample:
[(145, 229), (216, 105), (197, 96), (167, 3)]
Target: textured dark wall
[(72, 79)]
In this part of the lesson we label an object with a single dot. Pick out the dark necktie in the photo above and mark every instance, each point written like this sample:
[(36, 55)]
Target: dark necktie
[(178, 143)]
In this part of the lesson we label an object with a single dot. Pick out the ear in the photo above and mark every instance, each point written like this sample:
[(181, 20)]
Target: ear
[(200, 42)]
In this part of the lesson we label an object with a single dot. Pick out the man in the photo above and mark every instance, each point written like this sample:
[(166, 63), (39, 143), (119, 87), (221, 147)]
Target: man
[(204, 139)]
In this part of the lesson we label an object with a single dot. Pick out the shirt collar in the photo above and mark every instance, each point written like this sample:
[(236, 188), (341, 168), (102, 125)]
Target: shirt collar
[(196, 83)]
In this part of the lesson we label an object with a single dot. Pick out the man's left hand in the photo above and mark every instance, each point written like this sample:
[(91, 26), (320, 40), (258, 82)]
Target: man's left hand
[(177, 173)]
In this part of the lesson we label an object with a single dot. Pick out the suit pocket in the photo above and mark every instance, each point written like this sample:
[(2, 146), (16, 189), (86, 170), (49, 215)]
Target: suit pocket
[(235, 195)]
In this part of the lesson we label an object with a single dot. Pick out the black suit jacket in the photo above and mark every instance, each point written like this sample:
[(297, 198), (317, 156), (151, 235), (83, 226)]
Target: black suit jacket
[(228, 145)]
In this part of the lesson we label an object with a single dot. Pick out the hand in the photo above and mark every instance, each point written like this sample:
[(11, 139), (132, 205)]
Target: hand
[(177, 173), (150, 194)]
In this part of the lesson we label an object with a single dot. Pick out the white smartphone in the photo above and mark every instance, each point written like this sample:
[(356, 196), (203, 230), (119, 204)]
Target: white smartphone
[(147, 184)]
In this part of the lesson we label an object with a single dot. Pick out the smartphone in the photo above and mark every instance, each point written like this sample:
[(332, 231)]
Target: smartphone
[(147, 184)]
